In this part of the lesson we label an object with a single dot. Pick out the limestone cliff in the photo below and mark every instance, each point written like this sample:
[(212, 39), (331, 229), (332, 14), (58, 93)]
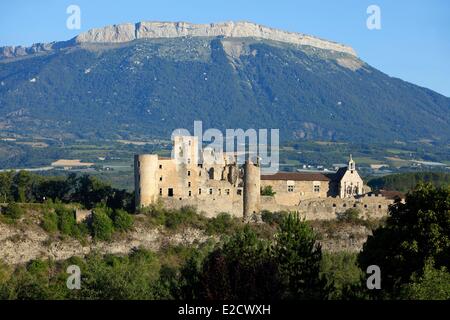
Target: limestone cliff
[(148, 30), (151, 30)]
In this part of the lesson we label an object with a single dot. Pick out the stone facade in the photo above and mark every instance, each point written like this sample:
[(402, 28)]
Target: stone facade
[(214, 182), (213, 185)]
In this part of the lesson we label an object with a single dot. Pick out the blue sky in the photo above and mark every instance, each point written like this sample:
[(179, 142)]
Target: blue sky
[(413, 43)]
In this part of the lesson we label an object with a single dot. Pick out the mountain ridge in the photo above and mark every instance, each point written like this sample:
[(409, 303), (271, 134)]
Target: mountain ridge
[(126, 32), (150, 86)]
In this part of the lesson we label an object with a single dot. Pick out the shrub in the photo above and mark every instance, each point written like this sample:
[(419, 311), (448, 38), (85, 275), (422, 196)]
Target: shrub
[(49, 221), (267, 191), (222, 224), (13, 211), (434, 284), (123, 221), (272, 218), (66, 221), (102, 227), (349, 215)]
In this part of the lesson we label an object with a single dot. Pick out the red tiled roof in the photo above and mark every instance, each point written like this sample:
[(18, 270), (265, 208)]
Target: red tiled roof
[(296, 176)]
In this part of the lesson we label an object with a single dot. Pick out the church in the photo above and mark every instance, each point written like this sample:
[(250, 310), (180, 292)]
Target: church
[(290, 188)]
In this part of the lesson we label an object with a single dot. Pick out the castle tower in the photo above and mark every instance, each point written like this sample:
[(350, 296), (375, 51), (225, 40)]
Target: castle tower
[(145, 180), (252, 186), (185, 150)]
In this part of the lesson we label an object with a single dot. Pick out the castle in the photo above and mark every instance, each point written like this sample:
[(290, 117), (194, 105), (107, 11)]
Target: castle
[(214, 182)]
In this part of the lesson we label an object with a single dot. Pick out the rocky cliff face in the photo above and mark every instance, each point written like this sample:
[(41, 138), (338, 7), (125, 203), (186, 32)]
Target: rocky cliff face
[(20, 244), (148, 30), (151, 30)]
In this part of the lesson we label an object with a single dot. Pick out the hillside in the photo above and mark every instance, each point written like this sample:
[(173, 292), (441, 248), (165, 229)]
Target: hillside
[(122, 83), (405, 182)]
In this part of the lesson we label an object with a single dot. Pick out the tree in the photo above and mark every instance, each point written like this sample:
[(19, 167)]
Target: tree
[(13, 211), (299, 257), (6, 179), (434, 284), (242, 269), (123, 221), (415, 232), (102, 226), (22, 186)]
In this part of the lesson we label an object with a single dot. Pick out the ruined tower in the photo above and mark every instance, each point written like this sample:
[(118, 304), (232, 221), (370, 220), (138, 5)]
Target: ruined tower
[(145, 171), (252, 186)]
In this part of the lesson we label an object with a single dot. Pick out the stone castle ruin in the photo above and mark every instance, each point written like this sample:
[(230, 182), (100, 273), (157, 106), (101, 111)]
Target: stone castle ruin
[(214, 182)]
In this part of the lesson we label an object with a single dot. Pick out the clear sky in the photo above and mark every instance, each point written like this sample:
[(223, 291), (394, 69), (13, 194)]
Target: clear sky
[(413, 43)]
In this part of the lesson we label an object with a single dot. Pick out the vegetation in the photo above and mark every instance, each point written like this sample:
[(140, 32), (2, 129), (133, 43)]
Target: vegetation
[(415, 237), (349, 215), (267, 191), (13, 211), (272, 218), (277, 259), (306, 93), (85, 190), (102, 226), (407, 181)]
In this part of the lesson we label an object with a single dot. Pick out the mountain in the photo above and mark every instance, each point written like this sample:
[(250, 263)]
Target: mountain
[(146, 79)]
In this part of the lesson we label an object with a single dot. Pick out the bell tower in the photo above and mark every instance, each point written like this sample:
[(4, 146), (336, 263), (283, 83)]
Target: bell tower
[(351, 164)]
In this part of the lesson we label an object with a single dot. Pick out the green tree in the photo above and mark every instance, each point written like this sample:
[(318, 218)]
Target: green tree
[(123, 221), (433, 284), (50, 221), (102, 227), (6, 179), (415, 232), (242, 269), (299, 258), (66, 221), (13, 211)]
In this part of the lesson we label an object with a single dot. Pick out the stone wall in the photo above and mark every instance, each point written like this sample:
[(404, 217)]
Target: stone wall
[(328, 208), (302, 190)]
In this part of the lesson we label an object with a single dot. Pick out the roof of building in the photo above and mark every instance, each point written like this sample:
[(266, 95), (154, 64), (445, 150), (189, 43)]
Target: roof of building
[(337, 176), (296, 176), (388, 194)]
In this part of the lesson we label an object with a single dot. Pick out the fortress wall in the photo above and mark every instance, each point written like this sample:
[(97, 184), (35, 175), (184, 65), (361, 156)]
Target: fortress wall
[(328, 208), (302, 190), (209, 206)]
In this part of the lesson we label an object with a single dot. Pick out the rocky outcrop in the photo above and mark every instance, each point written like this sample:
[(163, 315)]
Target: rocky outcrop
[(21, 244), (151, 30), (148, 30)]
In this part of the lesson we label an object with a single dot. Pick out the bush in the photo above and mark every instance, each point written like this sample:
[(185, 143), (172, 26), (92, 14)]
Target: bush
[(49, 221), (13, 211), (434, 284), (66, 221), (349, 215), (174, 219), (123, 221), (222, 224), (102, 227), (272, 218), (267, 191)]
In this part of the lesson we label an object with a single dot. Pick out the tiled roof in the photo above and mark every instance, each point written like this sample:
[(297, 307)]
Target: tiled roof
[(296, 176), (392, 194)]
